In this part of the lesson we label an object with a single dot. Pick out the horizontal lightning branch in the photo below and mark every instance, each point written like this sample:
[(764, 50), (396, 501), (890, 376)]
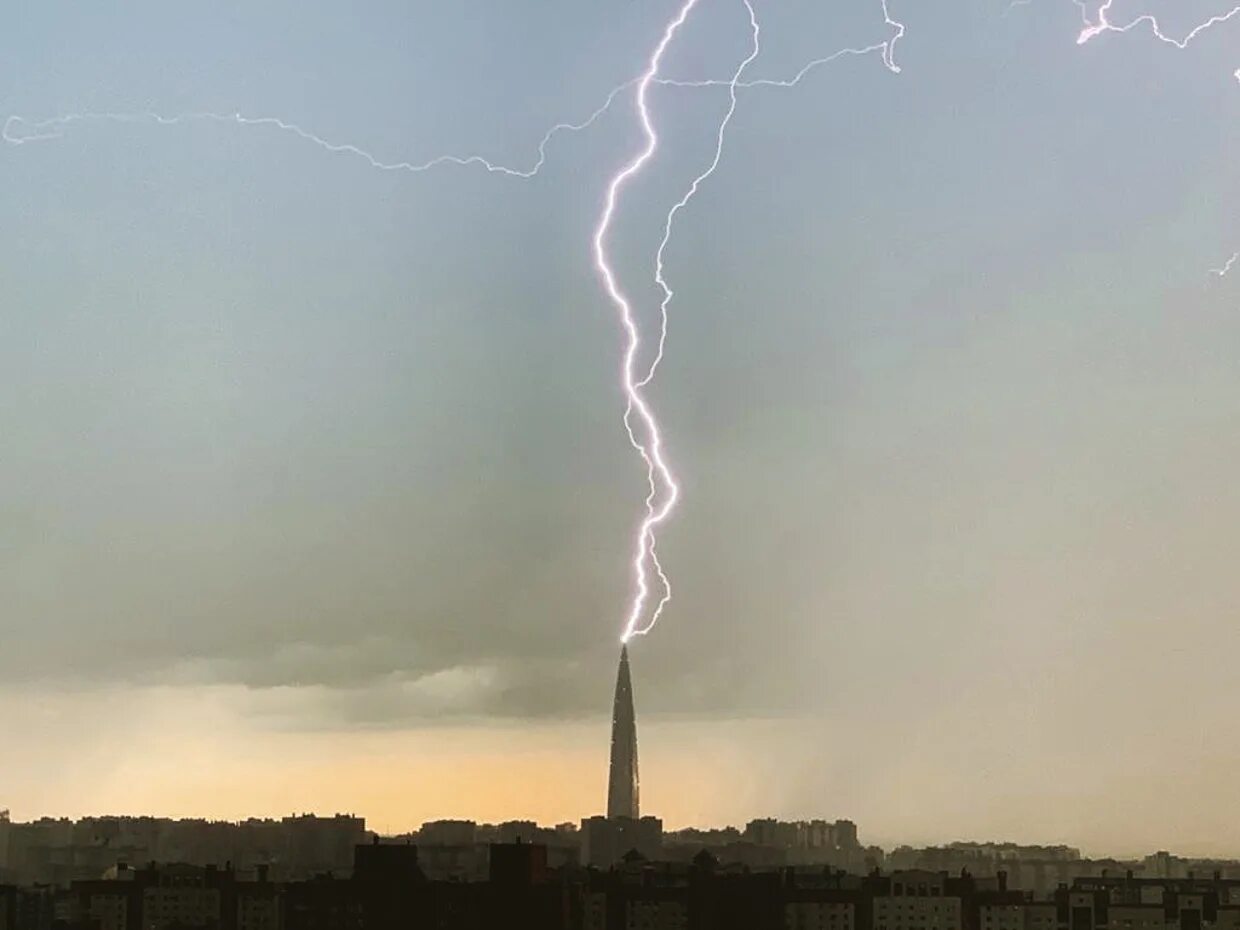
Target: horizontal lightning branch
[(1104, 24), (18, 131)]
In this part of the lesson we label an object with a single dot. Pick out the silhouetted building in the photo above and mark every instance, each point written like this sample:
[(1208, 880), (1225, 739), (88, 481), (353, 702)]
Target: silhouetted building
[(388, 892), (707, 895), (448, 833), (390, 863), (518, 831), (605, 840), (917, 900), (8, 907), (320, 844), (27, 908), (1124, 902), (323, 903), (6, 828), (622, 781), (516, 864), (62, 851)]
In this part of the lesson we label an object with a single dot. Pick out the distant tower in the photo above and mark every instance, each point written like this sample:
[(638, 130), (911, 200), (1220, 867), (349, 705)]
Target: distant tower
[(622, 776)]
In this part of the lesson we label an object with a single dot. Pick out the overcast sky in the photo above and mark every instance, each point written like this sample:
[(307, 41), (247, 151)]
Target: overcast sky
[(314, 493)]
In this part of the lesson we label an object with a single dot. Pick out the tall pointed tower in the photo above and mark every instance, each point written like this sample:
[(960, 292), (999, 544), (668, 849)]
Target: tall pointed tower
[(622, 776)]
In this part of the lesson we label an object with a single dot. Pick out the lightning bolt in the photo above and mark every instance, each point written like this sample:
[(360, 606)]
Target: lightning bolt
[(650, 447), (1103, 24), (44, 130), (646, 551), (886, 48), (19, 130), (644, 434), (663, 491), (1222, 272)]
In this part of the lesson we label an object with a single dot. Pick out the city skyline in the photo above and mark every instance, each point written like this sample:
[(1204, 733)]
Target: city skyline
[(891, 847), (309, 843)]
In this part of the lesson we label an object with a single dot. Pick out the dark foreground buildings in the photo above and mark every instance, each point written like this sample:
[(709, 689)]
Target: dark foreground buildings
[(388, 890)]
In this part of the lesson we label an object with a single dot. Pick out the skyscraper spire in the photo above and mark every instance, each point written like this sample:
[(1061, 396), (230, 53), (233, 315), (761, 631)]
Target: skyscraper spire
[(622, 800)]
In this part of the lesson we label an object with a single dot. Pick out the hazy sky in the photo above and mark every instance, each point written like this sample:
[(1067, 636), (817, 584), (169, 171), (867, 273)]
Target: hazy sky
[(314, 494)]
